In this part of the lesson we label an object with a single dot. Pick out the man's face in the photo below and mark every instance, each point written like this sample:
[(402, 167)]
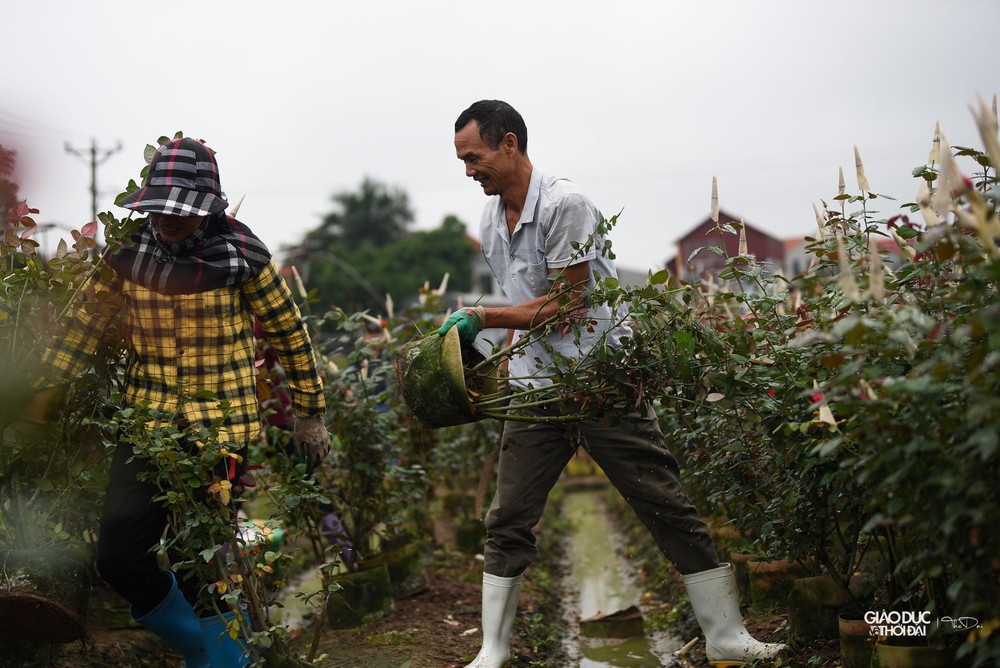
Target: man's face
[(175, 228), (489, 167)]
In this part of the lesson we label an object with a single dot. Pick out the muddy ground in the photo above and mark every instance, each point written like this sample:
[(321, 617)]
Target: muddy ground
[(438, 627)]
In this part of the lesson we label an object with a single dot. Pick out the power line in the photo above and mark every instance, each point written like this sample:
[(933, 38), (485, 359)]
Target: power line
[(95, 160), (21, 126)]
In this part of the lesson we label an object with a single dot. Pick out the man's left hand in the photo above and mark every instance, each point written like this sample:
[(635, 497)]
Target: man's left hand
[(311, 439)]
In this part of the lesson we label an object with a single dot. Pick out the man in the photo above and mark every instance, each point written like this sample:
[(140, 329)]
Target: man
[(539, 236), (188, 285)]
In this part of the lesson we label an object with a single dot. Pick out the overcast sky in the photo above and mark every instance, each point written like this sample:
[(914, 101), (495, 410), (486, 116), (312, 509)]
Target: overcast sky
[(641, 103)]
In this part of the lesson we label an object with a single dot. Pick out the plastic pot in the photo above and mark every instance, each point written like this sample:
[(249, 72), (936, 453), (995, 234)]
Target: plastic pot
[(432, 373)]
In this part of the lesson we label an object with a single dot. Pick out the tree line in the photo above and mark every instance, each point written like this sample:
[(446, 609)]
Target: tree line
[(365, 248)]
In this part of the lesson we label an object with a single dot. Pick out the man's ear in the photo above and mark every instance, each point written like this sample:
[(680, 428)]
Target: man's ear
[(509, 143)]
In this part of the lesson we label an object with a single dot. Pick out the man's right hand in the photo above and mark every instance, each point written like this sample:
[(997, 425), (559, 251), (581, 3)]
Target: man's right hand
[(469, 322)]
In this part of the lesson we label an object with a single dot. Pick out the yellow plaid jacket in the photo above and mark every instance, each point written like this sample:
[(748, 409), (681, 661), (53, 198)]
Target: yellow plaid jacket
[(184, 345)]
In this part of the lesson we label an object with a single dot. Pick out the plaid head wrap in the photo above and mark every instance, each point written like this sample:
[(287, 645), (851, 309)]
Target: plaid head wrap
[(183, 180), (222, 252)]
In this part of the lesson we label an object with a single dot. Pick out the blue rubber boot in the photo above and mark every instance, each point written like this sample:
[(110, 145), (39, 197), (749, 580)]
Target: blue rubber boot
[(173, 619), (223, 651)]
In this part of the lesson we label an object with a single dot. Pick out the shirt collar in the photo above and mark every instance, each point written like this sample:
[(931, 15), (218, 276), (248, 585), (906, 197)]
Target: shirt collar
[(531, 201), (530, 209)]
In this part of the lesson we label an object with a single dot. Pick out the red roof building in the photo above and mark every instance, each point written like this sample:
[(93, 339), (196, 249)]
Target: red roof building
[(691, 266)]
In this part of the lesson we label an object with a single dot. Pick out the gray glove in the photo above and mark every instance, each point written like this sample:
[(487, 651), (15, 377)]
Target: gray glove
[(311, 440)]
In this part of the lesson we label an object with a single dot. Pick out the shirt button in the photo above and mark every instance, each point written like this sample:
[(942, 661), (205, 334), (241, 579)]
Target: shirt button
[(511, 257), (180, 352)]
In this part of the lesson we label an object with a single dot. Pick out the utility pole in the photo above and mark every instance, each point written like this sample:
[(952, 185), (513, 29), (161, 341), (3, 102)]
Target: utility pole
[(94, 162)]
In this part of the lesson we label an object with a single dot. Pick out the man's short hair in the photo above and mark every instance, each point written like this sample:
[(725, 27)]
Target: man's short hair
[(495, 118)]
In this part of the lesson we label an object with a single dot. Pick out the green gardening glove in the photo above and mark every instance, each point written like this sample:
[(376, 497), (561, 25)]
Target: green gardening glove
[(468, 321)]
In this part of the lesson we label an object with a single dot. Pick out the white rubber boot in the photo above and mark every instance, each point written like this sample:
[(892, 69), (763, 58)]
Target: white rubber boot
[(715, 600), (499, 607)]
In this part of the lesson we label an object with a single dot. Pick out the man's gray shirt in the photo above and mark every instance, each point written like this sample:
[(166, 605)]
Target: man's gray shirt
[(556, 216)]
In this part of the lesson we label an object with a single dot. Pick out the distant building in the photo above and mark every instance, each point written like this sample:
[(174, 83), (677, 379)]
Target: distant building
[(797, 258), (788, 257), (768, 249)]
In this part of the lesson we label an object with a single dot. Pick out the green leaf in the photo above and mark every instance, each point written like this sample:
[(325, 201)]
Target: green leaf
[(660, 277), (44, 484), (684, 342), (209, 552)]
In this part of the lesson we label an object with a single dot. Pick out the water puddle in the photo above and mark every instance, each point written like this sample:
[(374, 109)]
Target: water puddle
[(604, 584), (294, 613)]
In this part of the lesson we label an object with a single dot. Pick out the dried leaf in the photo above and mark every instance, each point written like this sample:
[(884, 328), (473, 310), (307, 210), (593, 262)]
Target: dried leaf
[(859, 166), (443, 288), (935, 154), (821, 220), (924, 202), (906, 249), (951, 183), (876, 280), (222, 488), (236, 207), (826, 415), (987, 123), (298, 283), (715, 200), (847, 283)]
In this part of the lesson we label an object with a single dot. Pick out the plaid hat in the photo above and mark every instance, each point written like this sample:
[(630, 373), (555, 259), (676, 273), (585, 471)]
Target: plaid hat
[(183, 180)]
